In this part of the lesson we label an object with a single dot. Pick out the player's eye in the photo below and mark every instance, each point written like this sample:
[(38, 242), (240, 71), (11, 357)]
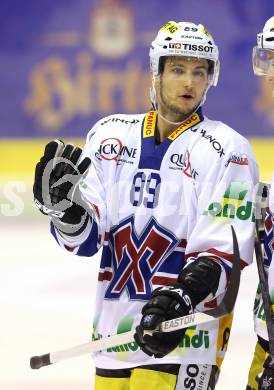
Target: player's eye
[(199, 73), (177, 70)]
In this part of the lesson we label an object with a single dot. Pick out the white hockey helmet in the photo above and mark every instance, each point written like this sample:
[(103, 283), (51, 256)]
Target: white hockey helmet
[(263, 53), (185, 39)]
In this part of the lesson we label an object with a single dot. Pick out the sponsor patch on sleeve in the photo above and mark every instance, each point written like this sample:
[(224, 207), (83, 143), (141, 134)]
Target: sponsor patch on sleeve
[(237, 158)]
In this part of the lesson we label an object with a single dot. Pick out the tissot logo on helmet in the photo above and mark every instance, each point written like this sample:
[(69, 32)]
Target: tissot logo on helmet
[(187, 46)]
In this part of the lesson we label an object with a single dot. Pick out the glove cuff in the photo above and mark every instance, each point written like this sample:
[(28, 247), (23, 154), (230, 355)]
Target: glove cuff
[(177, 292), (71, 230)]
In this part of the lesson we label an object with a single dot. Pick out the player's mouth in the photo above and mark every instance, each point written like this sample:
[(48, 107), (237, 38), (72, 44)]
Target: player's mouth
[(186, 97)]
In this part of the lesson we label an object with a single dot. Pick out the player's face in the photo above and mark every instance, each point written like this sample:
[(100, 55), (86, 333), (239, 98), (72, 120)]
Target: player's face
[(181, 86), (270, 72)]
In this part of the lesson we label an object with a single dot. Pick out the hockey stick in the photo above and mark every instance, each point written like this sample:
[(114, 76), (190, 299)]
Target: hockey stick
[(225, 307), (263, 279), (267, 304)]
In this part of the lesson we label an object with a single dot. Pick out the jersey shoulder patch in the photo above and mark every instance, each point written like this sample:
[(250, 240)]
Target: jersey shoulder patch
[(121, 119)]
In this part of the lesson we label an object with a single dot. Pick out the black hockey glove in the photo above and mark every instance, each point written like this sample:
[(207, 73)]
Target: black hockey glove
[(266, 381), (55, 189), (166, 303), (195, 282)]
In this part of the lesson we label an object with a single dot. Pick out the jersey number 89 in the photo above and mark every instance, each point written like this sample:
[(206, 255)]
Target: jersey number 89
[(145, 190)]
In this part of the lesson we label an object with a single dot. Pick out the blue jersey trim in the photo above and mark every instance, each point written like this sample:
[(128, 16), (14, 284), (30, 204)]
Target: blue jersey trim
[(89, 247), (152, 154)]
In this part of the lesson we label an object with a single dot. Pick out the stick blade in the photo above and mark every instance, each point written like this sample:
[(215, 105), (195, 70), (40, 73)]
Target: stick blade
[(229, 299)]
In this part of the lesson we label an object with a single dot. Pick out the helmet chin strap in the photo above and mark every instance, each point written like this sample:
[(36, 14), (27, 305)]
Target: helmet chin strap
[(153, 97), (167, 120)]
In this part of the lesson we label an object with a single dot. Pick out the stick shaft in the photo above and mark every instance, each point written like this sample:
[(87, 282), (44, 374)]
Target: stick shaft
[(265, 293), (127, 337), (92, 346)]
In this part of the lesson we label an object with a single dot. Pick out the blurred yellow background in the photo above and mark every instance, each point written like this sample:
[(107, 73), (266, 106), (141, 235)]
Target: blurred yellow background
[(19, 157)]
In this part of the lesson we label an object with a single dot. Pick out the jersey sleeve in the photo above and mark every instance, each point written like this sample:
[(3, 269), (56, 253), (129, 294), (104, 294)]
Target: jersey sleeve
[(225, 197), (88, 242)]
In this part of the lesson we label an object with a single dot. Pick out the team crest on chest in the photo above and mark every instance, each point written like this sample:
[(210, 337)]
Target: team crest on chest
[(136, 258)]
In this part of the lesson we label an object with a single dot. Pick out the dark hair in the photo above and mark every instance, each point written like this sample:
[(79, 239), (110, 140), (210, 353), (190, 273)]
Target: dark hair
[(162, 61)]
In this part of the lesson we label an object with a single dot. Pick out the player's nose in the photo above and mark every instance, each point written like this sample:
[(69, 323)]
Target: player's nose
[(188, 82)]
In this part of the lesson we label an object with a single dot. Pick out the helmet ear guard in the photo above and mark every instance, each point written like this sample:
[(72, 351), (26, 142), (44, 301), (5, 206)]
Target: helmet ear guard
[(152, 93), (214, 73)]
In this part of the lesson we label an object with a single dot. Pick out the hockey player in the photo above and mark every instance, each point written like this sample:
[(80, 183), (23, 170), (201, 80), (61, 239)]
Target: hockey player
[(159, 196), (261, 376)]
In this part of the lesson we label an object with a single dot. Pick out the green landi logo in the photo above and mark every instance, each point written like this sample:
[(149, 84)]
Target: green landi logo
[(232, 205), (197, 341), (259, 309), (133, 346), (125, 347)]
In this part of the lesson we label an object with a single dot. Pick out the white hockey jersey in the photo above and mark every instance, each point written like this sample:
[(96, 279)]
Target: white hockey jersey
[(259, 316), (155, 207)]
